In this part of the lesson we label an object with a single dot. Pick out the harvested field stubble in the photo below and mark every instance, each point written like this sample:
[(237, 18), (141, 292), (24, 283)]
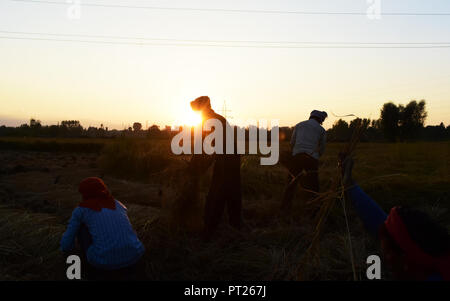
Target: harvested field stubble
[(38, 191)]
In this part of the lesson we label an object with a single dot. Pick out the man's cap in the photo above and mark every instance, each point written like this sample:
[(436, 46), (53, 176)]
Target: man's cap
[(201, 102), (322, 115)]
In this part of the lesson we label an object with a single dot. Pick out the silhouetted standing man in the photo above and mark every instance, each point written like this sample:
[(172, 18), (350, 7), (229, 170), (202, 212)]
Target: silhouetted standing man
[(225, 186)]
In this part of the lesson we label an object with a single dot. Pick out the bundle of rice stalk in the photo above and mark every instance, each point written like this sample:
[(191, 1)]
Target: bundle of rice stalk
[(326, 202), (181, 202)]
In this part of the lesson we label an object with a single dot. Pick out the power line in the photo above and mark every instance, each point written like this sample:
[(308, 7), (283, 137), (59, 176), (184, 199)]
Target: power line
[(225, 45), (225, 10), (220, 41)]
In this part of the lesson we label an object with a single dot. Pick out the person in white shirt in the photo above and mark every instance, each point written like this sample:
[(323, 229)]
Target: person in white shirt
[(308, 145)]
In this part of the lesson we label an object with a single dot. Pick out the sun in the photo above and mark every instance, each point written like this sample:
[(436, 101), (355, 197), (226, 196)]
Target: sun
[(191, 118), (184, 115)]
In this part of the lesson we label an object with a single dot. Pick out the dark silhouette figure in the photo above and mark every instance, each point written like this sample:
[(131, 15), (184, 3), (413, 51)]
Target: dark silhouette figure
[(414, 246), (225, 189), (308, 144)]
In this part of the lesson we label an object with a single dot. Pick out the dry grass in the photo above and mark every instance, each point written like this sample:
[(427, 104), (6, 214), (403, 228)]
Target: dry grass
[(38, 192)]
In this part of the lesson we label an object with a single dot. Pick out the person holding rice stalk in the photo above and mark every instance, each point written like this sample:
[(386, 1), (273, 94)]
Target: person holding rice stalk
[(109, 245), (308, 145), (225, 187), (413, 245)]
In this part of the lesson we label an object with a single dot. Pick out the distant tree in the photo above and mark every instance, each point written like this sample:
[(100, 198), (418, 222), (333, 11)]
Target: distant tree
[(340, 131), (154, 128), (35, 128), (154, 131), (376, 124), (389, 121), (373, 132), (70, 123), (412, 119), (71, 128), (35, 123), (137, 126), (357, 123)]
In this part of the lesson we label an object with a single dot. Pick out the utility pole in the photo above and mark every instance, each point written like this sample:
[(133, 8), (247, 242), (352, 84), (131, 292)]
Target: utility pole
[(225, 111)]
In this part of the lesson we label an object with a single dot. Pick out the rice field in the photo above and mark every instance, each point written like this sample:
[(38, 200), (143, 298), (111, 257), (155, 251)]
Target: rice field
[(38, 191)]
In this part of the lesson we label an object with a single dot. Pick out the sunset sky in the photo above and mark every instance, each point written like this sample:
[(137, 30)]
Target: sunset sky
[(117, 84)]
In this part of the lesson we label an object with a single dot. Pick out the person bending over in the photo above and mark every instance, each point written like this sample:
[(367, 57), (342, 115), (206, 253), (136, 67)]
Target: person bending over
[(308, 145), (225, 187), (413, 245), (107, 240)]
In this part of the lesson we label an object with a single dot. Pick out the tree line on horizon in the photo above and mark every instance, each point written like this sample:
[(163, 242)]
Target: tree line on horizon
[(396, 123)]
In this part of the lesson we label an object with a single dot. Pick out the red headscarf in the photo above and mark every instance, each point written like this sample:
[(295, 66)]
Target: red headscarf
[(95, 195), (414, 253)]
